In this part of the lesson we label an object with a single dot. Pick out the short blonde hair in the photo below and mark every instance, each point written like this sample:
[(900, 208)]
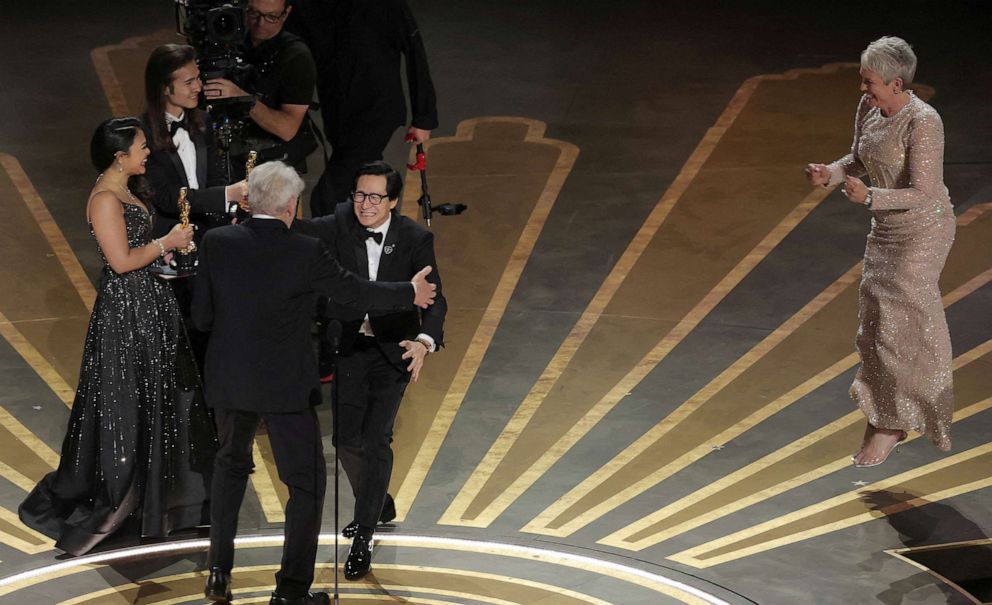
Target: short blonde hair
[(891, 58)]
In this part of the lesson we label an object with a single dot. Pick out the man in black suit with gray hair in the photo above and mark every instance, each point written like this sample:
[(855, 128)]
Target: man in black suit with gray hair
[(257, 284)]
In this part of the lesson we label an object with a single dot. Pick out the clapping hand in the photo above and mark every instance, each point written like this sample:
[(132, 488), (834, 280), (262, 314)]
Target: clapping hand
[(818, 175), (855, 190), (424, 291)]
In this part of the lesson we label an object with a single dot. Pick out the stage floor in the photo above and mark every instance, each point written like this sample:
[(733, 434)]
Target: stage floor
[(651, 318)]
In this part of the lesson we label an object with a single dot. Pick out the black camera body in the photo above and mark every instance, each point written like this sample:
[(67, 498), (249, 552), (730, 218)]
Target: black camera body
[(216, 29)]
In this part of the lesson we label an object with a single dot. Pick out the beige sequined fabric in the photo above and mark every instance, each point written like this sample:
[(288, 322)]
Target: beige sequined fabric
[(904, 381)]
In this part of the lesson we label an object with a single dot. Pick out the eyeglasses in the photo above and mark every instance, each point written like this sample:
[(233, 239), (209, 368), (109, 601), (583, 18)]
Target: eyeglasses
[(255, 15), (360, 197)]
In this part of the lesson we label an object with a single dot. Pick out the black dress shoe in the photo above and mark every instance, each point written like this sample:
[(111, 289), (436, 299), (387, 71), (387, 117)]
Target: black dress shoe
[(312, 598), (388, 514), (359, 561), (218, 586)]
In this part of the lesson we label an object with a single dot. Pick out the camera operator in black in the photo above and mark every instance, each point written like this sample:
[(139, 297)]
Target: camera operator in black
[(279, 127)]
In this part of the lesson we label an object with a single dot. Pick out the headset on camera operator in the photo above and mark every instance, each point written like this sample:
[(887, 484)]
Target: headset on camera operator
[(285, 75)]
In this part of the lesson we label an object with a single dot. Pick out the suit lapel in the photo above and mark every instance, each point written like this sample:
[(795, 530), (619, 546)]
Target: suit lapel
[(360, 251), (178, 165), (201, 160)]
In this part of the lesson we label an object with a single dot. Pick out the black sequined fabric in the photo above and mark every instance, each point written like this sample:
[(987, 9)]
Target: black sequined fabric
[(139, 446)]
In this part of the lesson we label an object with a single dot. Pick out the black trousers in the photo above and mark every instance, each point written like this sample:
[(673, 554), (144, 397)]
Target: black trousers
[(350, 149), (299, 455), (370, 389)]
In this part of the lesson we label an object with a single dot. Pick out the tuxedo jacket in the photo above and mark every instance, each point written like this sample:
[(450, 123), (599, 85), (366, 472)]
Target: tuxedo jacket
[(357, 45), (407, 248), (255, 292), (165, 173)]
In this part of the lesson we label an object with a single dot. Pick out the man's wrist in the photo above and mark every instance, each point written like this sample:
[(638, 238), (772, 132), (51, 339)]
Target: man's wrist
[(428, 346)]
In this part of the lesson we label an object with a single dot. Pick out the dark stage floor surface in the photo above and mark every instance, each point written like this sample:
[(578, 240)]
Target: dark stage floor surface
[(651, 314)]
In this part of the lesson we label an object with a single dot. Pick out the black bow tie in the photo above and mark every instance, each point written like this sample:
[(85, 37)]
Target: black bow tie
[(375, 235), (176, 125)]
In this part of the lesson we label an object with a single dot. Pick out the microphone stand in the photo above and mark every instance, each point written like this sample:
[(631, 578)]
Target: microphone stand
[(420, 165), (333, 337)]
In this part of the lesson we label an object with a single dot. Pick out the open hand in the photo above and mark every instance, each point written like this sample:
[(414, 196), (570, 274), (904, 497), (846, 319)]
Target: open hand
[(424, 291), (416, 351)]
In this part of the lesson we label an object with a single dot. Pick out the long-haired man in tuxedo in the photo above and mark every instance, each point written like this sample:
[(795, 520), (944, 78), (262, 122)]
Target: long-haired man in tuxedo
[(182, 155)]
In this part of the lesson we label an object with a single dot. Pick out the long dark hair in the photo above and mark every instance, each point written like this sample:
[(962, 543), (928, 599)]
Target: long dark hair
[(162, 63), (114, 136)]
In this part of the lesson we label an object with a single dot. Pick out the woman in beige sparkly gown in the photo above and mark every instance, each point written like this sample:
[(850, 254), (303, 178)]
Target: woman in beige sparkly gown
[(904, 381)]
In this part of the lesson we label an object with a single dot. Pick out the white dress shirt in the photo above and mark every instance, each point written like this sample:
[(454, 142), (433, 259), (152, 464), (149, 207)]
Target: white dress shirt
[(373, 250), (185, 148)]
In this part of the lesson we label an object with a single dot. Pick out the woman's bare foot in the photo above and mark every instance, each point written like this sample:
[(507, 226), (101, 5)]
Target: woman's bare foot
[(880, 444), (869, 431)]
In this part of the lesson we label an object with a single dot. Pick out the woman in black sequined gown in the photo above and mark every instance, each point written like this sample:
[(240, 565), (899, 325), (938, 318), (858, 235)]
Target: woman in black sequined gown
[(140, 443)]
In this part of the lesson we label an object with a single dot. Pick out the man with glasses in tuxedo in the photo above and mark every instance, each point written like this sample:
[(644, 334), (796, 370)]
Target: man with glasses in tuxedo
[(380, 352), (279, 126)]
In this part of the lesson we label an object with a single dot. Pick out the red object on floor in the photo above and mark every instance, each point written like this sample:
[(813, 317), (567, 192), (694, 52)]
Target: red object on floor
[(326, 379)]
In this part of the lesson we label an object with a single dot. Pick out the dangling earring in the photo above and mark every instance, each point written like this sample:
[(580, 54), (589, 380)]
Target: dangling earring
[(119, 167)]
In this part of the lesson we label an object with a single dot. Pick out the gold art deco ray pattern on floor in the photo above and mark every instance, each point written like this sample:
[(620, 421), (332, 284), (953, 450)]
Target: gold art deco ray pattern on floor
[(121, 69), (415, 579), (809, 458), (735, 188), (958, 474), (460, 582), (46, 298), (807, 351), (481, 256)]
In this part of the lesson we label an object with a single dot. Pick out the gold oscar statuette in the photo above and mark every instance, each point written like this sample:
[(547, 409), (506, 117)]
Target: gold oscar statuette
[(244, 205), (250, 162), (184, 207), (184, 261)]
